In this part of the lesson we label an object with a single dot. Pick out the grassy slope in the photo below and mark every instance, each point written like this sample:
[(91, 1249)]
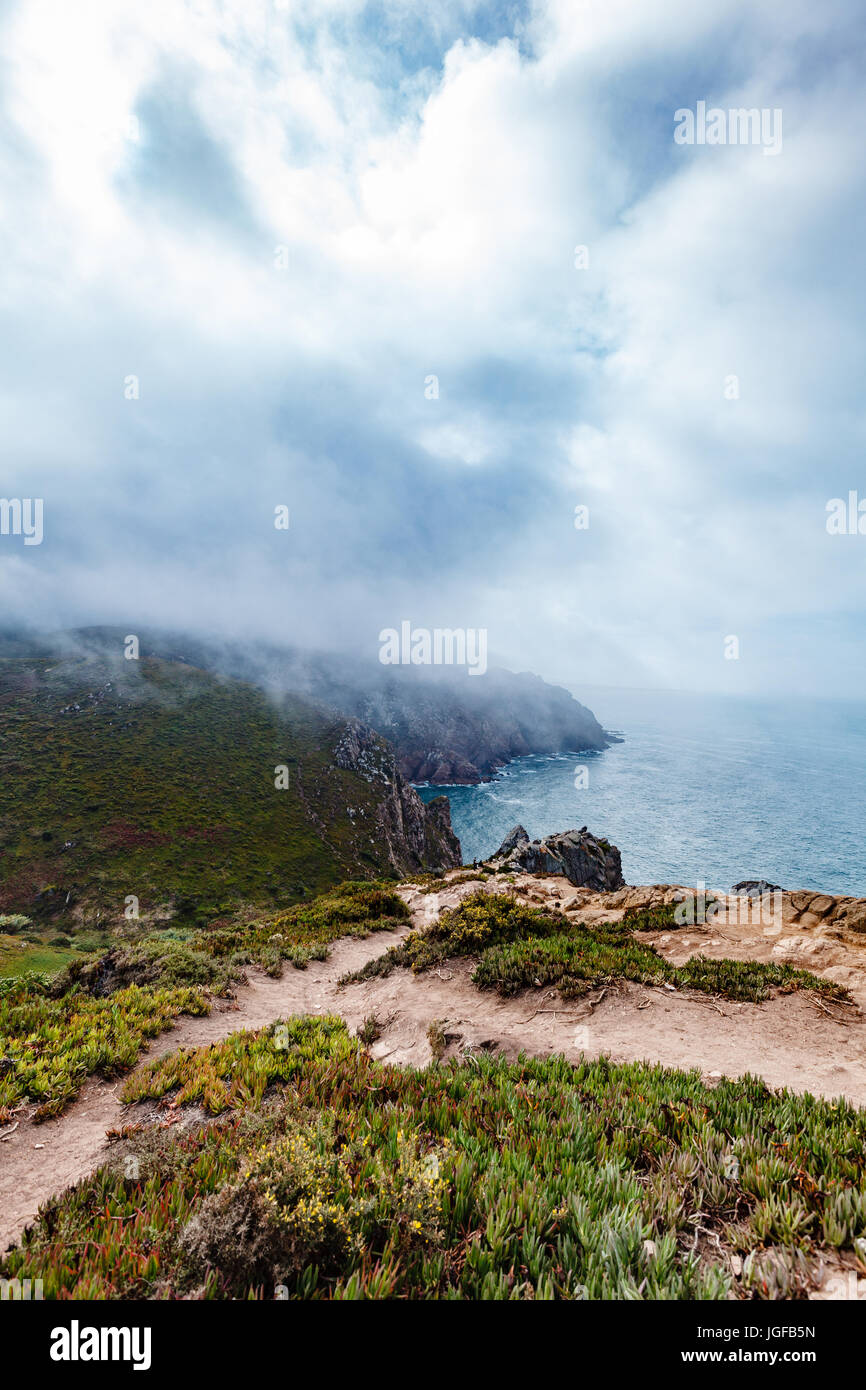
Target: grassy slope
[(162, 785), (336, 1176), (19, 957)]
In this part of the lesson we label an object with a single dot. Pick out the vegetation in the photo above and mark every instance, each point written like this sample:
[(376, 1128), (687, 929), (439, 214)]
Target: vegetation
[(135, 782), (161, 960), (95, 1015), (329, 1175), (22, 957), (576, 961), (437, 1039), (306, 930), (520, 947), (370, 1030), (480, 921), (27, 949), (661, 917), (50, 1045), (13, 922), (309, 1168)]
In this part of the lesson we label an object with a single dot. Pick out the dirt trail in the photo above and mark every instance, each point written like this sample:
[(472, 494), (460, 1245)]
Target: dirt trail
[(39, 1160), (792, 1041)]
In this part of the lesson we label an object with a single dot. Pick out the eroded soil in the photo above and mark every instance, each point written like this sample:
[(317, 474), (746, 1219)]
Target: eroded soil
[(795, 1040)]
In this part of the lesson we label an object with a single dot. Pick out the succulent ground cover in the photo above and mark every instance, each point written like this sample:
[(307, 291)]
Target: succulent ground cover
[(671, 916), (95, 1016), (329, 1175), (48, 1046), (520, 947), (661, 917), (305, 931)]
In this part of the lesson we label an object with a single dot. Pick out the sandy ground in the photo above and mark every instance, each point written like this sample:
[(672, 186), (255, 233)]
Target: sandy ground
[(796, 1041)]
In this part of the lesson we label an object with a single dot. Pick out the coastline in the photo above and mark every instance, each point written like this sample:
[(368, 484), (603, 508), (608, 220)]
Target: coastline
[(703, 790)]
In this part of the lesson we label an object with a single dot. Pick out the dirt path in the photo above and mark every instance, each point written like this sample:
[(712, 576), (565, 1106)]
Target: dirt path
[(790, 1041), (39, 1160)]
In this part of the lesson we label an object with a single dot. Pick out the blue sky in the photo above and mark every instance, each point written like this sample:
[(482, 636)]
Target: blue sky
[(282, 219)]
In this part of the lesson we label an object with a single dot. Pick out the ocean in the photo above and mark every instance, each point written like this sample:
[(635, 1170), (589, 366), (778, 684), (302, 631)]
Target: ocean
[(709, 789)]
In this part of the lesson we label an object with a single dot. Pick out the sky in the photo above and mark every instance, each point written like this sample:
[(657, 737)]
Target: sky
[(326, 256)]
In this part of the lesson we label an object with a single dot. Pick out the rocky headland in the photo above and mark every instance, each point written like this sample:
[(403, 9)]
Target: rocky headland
[(446, 728)]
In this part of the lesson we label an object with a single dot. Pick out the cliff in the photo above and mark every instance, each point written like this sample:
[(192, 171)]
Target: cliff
[(155, 780), (582, 858), (451, 729), (444, 726), (416, 836)]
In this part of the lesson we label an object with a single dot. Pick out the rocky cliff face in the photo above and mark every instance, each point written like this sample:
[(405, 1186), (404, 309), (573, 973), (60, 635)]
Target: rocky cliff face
[(416, 836), (584, 860), (453, 730), (195, 793)]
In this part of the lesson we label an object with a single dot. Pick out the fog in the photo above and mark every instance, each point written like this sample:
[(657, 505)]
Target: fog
[(328, 260)]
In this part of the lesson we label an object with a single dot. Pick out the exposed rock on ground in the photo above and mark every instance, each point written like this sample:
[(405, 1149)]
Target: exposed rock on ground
[(585, 861), (791, 1040)]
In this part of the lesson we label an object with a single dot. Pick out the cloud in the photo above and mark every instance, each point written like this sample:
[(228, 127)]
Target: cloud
[(282, 221)]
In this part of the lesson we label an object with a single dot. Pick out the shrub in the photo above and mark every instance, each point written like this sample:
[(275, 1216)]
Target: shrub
[(479, 921), (306, 931), (370, 1030), (311, 1198), (520, 947), (12, 922), (157, 960), (661, 917)]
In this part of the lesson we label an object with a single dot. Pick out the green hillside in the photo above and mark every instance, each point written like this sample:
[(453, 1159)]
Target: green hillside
[(157, 780)]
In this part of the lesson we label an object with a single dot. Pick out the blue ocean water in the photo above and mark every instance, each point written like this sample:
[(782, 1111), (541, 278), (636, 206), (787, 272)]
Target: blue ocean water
[(705, 788)]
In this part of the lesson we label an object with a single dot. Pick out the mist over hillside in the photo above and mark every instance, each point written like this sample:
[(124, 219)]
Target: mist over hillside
[(444, 727), (156, 783)]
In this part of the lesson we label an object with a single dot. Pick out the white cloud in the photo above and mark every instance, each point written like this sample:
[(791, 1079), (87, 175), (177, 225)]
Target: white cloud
[(429, 219)]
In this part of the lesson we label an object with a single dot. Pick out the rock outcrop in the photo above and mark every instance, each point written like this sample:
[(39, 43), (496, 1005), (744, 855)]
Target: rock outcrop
[(579, 856), (416, 836), (826, 914)]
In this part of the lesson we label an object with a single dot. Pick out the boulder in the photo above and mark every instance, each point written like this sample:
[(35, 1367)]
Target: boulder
[(582, 858), (800, 900), (852, 917), (515, 839), (754, 888), (822, 904)]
